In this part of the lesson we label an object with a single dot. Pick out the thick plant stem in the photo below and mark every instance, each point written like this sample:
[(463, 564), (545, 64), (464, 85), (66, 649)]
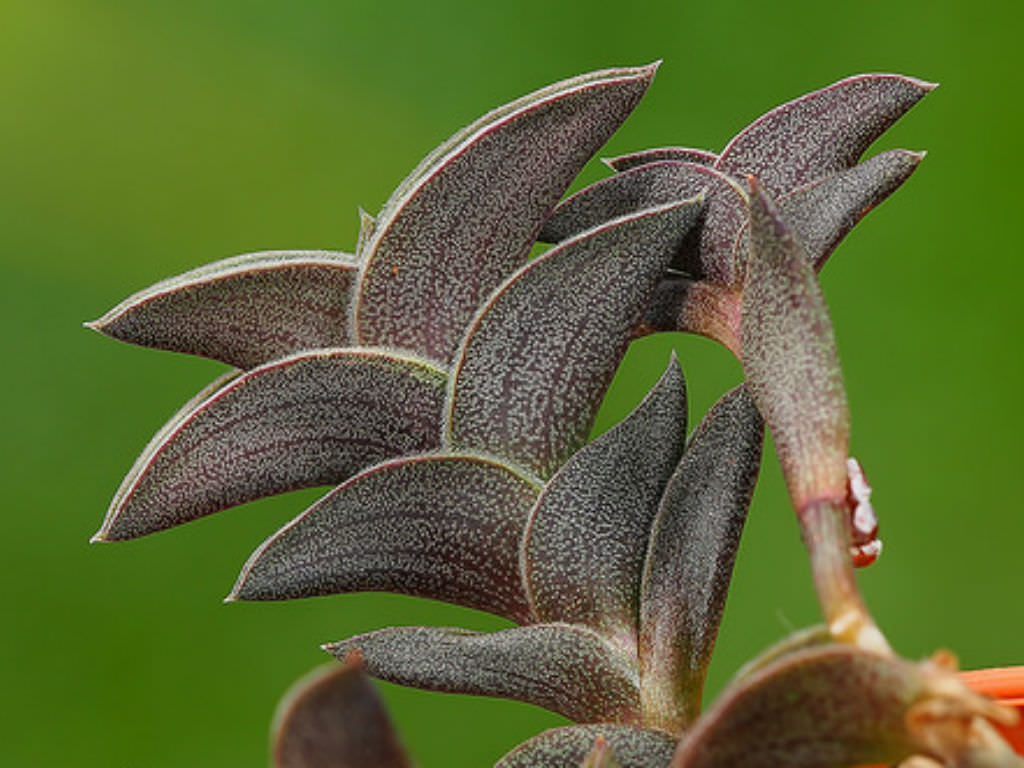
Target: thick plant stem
[(826, 534)]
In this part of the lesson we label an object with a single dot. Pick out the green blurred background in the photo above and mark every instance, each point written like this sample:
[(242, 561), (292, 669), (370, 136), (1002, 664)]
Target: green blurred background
[(138, 140)]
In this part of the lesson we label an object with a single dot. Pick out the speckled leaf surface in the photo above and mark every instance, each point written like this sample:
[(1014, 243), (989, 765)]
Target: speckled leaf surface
[(826, 707), (689, 563), (334, 719), (790, 359), (646, 156), (567, 669), (443, 527), (538, 357), (820, 133), (601, 756), (584, 547), (466, 219), (708, 254), (245, 311), (307, 420), (568, 747)]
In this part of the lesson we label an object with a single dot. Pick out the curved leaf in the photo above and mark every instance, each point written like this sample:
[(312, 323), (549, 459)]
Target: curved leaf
[(689, 563), (790, 360), (584, 547), (601, 756), (444, 527), (538, 358), (820, 133), (646, 156), (334, 719), (312, 419), (467, 217), (245, 311), (569, 670), (681, 303), (568, 747)]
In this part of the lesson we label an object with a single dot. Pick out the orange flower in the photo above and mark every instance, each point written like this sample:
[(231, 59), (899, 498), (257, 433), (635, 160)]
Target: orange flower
[(1005, 685)]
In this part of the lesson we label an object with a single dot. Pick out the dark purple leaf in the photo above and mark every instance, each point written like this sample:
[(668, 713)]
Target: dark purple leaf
[(601, 756), (567, 669), (584, 547), (467, 217), (334, 719), (312, 419), (443, 527), (689, 563), (245, 311), (646, 156), (820, 133), (538, 358), (568, 747), (790, 359), (681, 303)]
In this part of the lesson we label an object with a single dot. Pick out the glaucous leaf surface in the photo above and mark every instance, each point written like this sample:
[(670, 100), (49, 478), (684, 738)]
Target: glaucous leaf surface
[(646, 156), (567, 747), (244, 311), (584, 546), (334, 719), (311, 419), (790, 359), (710, 252), (467, 217), (540, 354), (437, 526), (689, 563), (820, 133), (568, 669), (824, 707)]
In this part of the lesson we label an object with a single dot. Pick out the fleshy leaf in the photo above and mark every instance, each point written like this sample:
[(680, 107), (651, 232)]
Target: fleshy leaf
[(790, 359), (538, 358), (823, 212), (689, 564), (443, 527), (601, 756), (833, 706), (334, 719), (584, 547), (681, 303), (245, 311), (647, 156), (307, 420), (708, 254), (568, 747), (567, 669), (820, 133), (467, 217)]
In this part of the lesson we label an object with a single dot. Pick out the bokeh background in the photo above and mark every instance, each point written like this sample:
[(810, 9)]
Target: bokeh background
[(140, 139)]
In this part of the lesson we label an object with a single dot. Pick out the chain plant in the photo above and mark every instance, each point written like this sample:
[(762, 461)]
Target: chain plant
[(446, 384)]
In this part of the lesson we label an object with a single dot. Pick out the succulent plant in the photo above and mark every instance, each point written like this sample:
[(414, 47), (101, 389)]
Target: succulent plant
[(447, 384)]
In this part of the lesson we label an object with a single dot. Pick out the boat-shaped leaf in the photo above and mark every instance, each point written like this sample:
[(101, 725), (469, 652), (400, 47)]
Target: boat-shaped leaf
[(567, 747), (820, 133), (306, 420), (790, 359), (538, 357), (467, 217), (334, 719), (568, 669), (689, 564), (584, 547), (245, 311), (646, 156), (437, 526), (709, 254)]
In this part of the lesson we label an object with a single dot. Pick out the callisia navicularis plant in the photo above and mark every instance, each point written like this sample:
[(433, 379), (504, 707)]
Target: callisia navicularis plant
[(445, 384)]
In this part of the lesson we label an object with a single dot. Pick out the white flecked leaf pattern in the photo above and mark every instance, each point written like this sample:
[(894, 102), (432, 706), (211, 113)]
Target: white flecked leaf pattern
[(538, 358), (467, 218), (690, 558), (644, 157), (307, 420), (567, 669), (568, 747), (244, 311), (584, 547), (438, 526)]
